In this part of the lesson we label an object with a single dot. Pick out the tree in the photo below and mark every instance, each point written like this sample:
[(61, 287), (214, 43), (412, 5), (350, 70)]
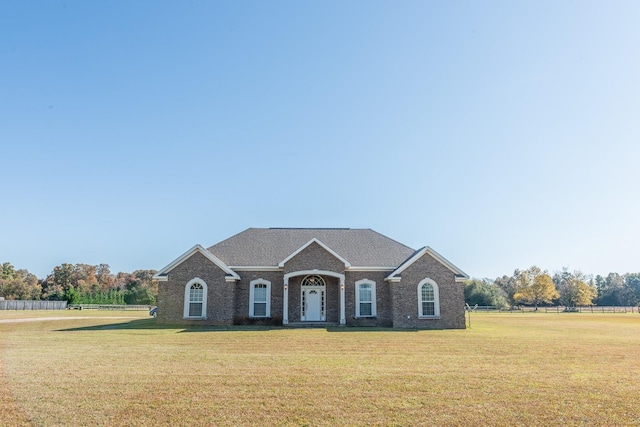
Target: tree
[(483, 292), (84, 279), (104, 276), (613, 290), (56, 285), (535, 287), (530, 286), (632, 283), (18, 284), (71, 295), (508, 286), (7, 271), (80, 283), (141, 288), (574, 288)]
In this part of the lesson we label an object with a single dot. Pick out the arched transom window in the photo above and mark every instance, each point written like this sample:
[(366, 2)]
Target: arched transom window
[(313, 281)]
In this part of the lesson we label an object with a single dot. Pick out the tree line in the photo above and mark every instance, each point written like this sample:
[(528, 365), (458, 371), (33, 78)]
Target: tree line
[(80, 284), (535, 287), (95, 284)]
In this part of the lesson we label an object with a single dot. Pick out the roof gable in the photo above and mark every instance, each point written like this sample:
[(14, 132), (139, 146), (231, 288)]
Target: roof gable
[(325, 247), (395, 276), (162, 275)]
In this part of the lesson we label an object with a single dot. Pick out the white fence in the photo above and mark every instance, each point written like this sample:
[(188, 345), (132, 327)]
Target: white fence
[(32, 305), (562, 309), (589, 309)]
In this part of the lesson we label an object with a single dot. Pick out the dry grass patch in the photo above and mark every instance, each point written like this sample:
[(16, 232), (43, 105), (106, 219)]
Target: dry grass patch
[(509, 369)]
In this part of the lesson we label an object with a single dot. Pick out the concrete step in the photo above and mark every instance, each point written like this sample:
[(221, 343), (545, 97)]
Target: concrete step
[(312, 324)]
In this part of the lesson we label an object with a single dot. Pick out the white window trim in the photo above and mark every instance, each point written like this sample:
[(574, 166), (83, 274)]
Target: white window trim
[(251, 297), (187, 288), (436, 297), (373, 297)]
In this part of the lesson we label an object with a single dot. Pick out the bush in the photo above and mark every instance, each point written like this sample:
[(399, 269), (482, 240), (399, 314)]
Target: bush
[(264, 321), (240, 320)]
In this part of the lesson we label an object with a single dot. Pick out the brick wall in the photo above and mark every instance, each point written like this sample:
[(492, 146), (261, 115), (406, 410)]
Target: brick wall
[(220, 293), (405, 296), (243, 291), (383, 299), (396, 302), (314, 257)]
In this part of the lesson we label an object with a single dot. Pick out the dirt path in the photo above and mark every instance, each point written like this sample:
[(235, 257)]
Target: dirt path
[(37, 319)]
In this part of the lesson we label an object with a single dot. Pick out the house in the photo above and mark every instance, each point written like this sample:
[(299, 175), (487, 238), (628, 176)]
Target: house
[(344, 276)]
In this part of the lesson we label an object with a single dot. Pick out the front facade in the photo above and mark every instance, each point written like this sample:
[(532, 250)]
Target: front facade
[(354, 277)]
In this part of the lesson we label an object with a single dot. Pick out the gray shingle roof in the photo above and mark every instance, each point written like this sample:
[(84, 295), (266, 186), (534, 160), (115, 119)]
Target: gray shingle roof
[(269, 246)]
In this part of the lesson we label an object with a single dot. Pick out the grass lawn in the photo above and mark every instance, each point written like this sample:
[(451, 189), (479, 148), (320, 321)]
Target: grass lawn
[(120, 368)]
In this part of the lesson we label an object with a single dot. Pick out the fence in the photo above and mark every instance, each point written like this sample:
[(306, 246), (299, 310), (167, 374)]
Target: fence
[(562, 309), (589, 309), (117, 307), (32, 305)]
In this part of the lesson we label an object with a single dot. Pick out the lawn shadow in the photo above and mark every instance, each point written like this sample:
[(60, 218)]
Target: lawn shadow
[(132, 324), (152, 324)]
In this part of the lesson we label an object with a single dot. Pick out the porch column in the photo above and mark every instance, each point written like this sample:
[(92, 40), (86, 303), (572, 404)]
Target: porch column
[(343, 319), (285, 302)]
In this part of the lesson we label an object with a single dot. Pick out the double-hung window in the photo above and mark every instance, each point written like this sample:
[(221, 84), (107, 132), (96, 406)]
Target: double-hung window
[(365, 298), (428, 299), (260, 298), (195, 299), (196, 293)]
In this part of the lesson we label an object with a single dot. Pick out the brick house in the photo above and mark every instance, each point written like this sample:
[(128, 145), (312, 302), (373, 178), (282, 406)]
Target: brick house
[(354, 277)]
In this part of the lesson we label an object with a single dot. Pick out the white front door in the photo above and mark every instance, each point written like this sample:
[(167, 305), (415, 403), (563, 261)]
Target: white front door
[(314, 305)]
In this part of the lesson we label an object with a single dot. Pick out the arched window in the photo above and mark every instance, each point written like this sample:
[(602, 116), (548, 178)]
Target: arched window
[(365, 298), (313, 281), (260, 298), (428, 299), (195, 299)]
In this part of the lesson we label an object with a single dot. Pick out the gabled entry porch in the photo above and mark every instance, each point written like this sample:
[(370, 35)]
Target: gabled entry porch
[(314, 302)]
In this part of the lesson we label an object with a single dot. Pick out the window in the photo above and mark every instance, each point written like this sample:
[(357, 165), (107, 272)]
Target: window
[(195, 299), (313, 281), (365, 298), (260, 298), (428, 299)]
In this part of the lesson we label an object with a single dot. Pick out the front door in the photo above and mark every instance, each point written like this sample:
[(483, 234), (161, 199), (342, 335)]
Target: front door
[(314, 309), (313, 299)]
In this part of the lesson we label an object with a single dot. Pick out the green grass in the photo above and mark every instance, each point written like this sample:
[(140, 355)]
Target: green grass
[(508, 369)]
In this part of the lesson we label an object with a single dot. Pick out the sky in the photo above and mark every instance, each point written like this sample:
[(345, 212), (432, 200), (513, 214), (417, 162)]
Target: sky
[(501, 134)]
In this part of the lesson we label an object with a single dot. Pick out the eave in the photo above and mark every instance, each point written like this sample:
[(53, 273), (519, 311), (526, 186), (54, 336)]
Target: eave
[(460, 276), (163, 274)]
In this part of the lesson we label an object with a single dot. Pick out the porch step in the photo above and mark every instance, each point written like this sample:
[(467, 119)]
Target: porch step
[(312, 324)]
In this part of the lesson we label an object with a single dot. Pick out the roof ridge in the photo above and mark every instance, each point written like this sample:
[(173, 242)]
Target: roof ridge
[(308, 228)]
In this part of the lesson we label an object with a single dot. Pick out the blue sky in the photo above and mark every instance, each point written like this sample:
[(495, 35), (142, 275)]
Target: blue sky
[(501, 134)]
